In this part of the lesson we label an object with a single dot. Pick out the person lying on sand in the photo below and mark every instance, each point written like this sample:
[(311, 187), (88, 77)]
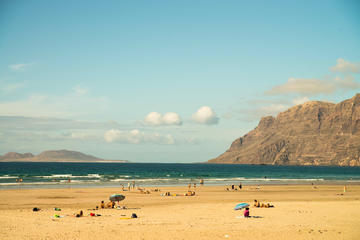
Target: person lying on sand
[(110, 205), (190, 193), (80, 214)]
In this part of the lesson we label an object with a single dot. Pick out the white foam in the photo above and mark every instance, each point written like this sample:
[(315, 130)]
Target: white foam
[(7, 177), (71, 176)]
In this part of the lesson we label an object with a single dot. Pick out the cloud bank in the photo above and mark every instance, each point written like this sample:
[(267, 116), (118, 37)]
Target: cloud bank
[(20, 66), (303, 86), (157, 119), (137, 137), (345, 66), (205, 115), (314, 86)]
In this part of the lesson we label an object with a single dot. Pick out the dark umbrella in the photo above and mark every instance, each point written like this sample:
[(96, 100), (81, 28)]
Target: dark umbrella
[(116, 197)]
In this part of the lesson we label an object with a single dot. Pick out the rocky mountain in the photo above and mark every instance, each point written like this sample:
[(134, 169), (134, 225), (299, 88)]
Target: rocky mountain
[(313, 133), (53, 156)]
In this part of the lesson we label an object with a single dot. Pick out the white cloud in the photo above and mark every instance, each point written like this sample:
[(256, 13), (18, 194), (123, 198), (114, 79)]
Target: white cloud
[(157, 119), (80, 91), (304, 86), (345, 66), (300, 100), (20, 66), (273, 109), (11, 87), (66, 106), (205, 115), (137, 137), (347, 82)]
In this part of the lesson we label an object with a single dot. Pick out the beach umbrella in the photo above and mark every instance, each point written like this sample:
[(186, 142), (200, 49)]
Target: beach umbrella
[(241, 206), (116, 197)]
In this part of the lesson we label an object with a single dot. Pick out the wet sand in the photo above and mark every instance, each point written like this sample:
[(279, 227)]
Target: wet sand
[(300, 212)]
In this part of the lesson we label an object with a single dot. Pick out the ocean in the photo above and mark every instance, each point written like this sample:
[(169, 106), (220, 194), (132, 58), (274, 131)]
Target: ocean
[(57, 175)]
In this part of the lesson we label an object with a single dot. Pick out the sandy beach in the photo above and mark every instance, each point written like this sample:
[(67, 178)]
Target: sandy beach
[(300, 212)]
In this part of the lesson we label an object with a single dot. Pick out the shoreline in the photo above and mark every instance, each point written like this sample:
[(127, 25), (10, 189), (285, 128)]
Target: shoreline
[(95, 185)]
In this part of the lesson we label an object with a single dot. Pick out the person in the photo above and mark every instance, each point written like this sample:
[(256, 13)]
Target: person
[(133, 184), (189, 186), (232, 186), (240, 186), (201, 181), (194, 185), (256, 203), (344, 188), (102, 205), (247, 212), (129, 186), (79, 214)]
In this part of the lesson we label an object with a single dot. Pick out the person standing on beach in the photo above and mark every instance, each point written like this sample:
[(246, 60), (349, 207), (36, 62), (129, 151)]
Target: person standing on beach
[(240, 186), (129, 186), (189, 186)]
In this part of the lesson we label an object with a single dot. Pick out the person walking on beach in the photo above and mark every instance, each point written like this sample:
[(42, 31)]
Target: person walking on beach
[(129, 186)]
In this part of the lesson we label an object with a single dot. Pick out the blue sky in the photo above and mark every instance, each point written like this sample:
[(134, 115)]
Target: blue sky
[(86, 75)]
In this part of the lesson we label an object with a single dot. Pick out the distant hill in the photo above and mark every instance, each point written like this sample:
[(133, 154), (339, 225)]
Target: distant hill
[(313, 133), (14, 155), (53, 156)]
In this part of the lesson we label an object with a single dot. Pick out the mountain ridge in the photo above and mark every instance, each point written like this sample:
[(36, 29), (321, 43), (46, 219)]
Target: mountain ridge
[(53, 156), (312, 133)]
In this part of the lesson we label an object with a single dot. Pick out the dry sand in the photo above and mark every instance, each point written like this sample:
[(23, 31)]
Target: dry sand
[(300, 212)]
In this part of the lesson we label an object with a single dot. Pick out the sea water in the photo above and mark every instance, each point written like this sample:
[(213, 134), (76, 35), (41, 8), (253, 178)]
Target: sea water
[(50, 174)]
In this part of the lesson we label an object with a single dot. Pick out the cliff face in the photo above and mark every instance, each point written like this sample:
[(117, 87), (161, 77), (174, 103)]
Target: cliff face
[(313, 133)]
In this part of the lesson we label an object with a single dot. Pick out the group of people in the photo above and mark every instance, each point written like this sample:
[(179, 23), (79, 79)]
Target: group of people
[(256, 204), (233, 187), (110, 204), (263, 205)]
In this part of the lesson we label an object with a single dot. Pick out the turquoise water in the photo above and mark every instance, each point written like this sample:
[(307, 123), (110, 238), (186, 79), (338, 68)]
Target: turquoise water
[(157, 174)]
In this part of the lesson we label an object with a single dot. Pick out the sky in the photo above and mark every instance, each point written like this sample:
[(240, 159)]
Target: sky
[(166, 81)]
